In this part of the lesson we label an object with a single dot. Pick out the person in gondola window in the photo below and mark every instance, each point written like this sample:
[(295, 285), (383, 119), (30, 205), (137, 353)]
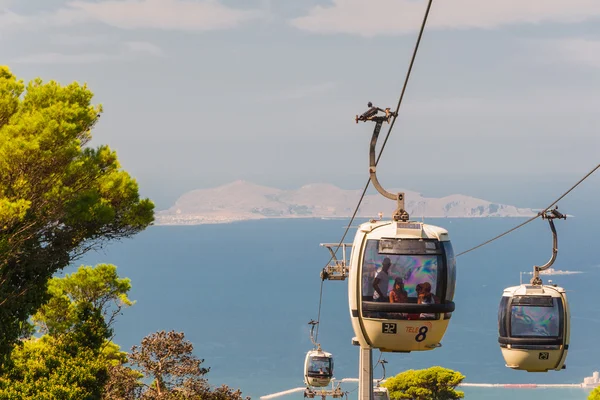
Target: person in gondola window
[(426, 297), (369, 272), (382, 281), (398, 293)]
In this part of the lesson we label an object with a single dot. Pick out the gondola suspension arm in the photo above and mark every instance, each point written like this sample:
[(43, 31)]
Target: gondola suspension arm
[(313, 338), (550, 215), (371, 114)]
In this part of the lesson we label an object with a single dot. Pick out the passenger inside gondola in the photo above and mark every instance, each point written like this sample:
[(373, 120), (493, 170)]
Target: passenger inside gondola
[(424, 294), (426, 297), (398, 293), (382, 282), (391, 278), (369, 271), (319, 366)]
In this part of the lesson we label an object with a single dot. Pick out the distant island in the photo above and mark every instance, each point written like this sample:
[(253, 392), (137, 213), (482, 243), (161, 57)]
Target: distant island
[(241, 201)]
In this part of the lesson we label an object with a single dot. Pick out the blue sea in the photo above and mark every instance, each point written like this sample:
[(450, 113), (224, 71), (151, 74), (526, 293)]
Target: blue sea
[(244, 293)]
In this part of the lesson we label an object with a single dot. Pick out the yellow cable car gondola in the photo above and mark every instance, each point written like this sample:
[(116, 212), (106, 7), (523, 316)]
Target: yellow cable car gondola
[(534, 320), (402, 275), (380, 393), (318, 368), (318, 364)]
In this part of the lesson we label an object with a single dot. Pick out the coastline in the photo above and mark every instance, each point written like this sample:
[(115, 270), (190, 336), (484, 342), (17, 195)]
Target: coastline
[(186, 220)]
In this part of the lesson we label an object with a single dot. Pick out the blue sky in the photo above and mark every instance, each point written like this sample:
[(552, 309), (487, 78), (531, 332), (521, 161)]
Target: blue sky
[(200, 93)]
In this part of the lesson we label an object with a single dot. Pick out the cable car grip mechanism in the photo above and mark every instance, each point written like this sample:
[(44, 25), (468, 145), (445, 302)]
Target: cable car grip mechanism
[(549, 215), (400, 214)]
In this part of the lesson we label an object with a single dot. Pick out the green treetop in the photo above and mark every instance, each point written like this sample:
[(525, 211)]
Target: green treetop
[(74, 359), (98, 289), (58, 197), (594, 394), (435, 383)]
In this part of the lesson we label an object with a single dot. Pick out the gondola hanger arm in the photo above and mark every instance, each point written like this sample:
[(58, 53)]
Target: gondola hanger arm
[(549, 215)]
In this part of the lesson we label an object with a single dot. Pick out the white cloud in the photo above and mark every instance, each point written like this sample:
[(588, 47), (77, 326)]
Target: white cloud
[(580, 51), (61, 58), (127, 50), (165, 14), (182, 15), (392, 17), (62, 17), (144, 47), (63, 39)]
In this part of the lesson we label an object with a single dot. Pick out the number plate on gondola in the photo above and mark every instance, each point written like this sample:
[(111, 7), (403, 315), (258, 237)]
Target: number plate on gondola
[(390, 328)]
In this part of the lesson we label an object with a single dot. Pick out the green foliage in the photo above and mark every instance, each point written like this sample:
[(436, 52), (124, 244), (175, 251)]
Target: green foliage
[(595, 394), (58, 198), (435, 383), (74, 359), (99, 290), (47, 369)]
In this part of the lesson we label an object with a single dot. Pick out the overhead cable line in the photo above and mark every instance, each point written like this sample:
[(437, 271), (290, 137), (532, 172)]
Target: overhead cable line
[(412, 61), (532, 218), (319, 313)]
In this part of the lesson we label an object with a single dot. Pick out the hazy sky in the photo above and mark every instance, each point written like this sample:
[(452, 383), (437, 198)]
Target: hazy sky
[(200, 93)]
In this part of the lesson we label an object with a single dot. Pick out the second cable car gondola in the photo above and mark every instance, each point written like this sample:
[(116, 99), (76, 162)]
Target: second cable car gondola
[(318, 364), (402, 275), (534, 320), (380, 393), (318, 368)]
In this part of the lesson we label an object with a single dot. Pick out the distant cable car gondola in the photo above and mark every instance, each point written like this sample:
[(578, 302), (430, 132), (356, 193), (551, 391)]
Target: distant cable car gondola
[(318, 364), (318, 368), (534, 320), (402, 275), (380, 393)]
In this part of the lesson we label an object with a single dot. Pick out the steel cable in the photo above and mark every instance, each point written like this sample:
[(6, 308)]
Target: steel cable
[(532, 218)]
